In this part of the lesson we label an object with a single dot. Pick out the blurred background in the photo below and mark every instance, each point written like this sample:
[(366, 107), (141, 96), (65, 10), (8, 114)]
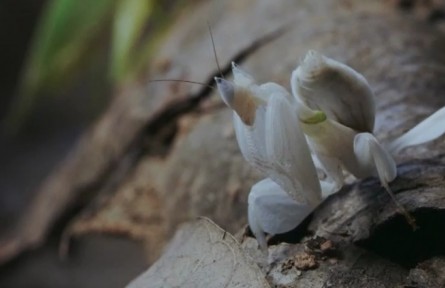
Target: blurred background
[(61, 61)]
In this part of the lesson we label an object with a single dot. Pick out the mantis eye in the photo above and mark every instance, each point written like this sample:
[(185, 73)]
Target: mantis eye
[(226, 90)]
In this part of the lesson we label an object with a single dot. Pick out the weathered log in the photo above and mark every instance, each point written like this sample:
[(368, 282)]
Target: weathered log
[(356, 237)]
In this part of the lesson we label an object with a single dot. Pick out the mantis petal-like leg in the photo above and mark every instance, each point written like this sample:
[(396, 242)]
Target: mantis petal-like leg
[(427, 130), (374, 159), (271, 210), (340, 92), (287, 149)]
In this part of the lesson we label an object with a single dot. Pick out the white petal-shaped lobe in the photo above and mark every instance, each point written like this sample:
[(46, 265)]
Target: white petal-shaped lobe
[(251, 140), (273, 211), (429, 129), (287, 149), (254, 224), (374, 159), (336, 89)]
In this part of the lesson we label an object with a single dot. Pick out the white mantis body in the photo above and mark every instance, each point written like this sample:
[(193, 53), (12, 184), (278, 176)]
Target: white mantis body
[(331, 112)]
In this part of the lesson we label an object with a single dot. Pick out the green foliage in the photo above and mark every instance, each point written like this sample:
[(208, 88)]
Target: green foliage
[(65, 33), (129, 20), (72, 32), (138, 28)]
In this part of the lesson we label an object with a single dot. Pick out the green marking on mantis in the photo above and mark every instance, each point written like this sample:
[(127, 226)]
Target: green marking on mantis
[(316, 118)]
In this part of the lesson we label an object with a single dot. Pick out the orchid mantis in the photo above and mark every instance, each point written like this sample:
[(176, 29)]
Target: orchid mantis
[(330, 113)]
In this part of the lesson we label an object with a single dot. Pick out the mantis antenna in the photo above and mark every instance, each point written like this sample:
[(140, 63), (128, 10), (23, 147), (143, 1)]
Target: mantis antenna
[(195, 82), (214, 50), (181, 81)]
